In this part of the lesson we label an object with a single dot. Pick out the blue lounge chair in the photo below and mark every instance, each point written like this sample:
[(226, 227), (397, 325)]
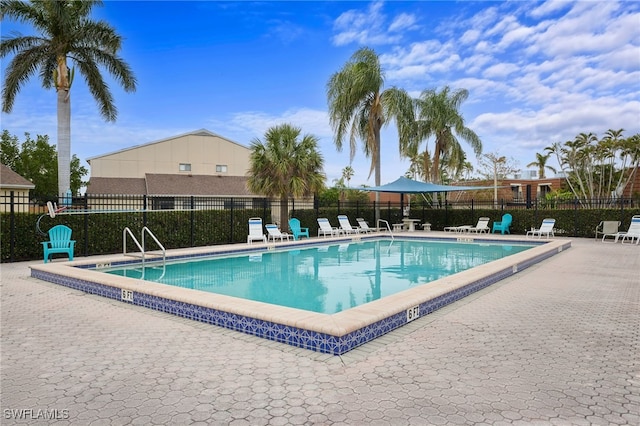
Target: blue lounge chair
[(59, 242), (296, 230), (503, 226)]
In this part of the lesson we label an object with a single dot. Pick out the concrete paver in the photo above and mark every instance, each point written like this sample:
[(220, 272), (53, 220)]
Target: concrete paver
[(558, 343)]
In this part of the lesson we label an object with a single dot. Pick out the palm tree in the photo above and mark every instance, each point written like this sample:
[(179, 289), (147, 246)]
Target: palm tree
[(419, 166), (438, 115), (65, 33), (284, 166), (359, 107), (347, 174), (541, 164)]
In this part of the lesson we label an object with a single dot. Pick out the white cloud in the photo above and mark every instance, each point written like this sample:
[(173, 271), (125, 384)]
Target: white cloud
[(368, 27), (402, 22), (469, 37), (500, 70), (547, 8)]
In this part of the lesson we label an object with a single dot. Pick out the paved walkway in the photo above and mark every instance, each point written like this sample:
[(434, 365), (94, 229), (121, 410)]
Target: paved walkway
[(559, 343)]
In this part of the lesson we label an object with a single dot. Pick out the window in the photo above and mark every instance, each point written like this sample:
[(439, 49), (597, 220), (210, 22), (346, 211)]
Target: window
[(185, 167), (516, 191), (221, 168)]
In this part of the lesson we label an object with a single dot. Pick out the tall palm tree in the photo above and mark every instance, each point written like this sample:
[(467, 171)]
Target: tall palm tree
[(541, 164), (65, 33), (284, 166), (359, 107), (438, 114), (347, 174)]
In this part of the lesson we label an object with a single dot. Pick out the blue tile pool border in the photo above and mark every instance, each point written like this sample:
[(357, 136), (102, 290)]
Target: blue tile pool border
[(299, 337)]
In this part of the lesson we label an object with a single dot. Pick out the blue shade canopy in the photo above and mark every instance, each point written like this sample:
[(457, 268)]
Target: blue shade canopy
[(404, 185)]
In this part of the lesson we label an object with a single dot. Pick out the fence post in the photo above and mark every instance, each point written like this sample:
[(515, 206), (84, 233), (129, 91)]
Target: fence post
[(192, 218), (389, 211), (85, 206), (12, 227), (231, 215), (575, 215), (144, 210), (446, 213)]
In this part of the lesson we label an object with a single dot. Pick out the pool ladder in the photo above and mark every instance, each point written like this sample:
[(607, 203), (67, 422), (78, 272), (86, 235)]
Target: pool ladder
[(142, 247), (386, 223)]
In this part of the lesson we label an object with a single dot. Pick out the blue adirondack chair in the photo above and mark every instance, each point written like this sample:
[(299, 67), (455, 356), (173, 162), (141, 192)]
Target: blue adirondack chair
[(59, 242), (503, 226), (296, 230)]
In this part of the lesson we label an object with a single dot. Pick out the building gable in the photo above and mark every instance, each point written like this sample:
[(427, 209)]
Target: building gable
[(12, 180), (199, 153)]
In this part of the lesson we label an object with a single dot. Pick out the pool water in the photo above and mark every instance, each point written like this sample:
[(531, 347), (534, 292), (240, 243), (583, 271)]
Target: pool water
[(326, 279)]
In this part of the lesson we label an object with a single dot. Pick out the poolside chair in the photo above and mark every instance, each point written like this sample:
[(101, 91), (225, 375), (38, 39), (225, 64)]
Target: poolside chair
[(255, 231), (273, 233), (503, 225), (546, 228), (345, 225), (633, 233), (607, 228), (461, 228), (364, 226), (481, 226), (59, 242), (296, 230), (325, 228)]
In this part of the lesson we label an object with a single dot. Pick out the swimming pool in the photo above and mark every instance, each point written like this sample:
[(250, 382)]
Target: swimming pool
[(325, 279), (335, 333)]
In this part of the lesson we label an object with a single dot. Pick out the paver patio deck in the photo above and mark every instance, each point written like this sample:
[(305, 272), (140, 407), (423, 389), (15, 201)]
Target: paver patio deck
[(558, 343)]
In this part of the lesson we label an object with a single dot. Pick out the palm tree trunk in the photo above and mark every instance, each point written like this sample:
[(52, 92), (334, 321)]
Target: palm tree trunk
[(64, 141), (284, 213), (377, 172)]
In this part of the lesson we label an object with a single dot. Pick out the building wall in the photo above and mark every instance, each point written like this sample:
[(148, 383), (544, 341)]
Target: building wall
[(510, 190), (633, 188), (21, 197), (202, 152)]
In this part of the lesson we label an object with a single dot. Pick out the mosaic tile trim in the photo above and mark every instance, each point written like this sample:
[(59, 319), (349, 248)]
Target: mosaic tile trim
[(293, 336)]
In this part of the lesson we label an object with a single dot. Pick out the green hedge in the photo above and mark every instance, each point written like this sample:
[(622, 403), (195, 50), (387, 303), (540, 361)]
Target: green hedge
[(102, 233)]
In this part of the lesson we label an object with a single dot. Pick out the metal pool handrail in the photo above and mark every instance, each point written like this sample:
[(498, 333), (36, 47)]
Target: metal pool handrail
[(388, 227), (126, 231)]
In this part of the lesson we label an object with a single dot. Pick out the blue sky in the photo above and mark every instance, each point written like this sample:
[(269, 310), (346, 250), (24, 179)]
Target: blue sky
[(536, 72)]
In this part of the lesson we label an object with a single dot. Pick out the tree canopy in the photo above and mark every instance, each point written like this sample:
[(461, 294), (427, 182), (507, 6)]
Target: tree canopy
[(285, 166), (598, 168), (65, 32), (35, 160)]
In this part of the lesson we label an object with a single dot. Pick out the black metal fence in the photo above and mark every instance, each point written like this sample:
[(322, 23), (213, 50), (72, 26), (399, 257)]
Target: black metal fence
[(98, 221)]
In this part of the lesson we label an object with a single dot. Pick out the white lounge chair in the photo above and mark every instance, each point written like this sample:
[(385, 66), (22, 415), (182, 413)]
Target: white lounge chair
[(461, 228), (325, 228), (546, 228), (273, 233), (364, 226), (255, 231), (481, 226), (607, 228), (633, 233), (345, 225)]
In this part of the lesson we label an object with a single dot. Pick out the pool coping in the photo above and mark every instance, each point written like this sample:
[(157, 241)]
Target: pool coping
[(327, 333)]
